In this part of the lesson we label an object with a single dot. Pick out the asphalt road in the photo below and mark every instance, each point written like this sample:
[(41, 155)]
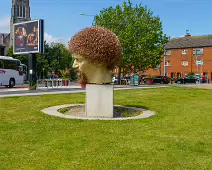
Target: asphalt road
[(7, 92), (23, 90), (26, 92)]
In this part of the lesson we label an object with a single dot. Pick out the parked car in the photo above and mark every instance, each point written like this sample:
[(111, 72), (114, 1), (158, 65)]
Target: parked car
[(161, 80), (191, 79), (202, 79), (187, 79)]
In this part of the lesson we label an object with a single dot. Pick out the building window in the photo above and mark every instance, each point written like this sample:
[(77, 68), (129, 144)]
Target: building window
[(157, 67), (20, 11), (24, 11), (198, 51), (168, 52), (184, 63), (2, 39), (168, 63), (179, 75), (199, 62), (17, 10), (184, 51), (205, 74)]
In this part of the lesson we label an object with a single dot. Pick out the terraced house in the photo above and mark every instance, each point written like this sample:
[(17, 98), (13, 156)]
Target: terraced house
[(185, 55)]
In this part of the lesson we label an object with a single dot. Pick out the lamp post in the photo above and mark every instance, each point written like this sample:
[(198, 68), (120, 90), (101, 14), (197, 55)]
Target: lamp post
[(58, 61), (164, 62), (197, 65), (89, 15), (164, 57)]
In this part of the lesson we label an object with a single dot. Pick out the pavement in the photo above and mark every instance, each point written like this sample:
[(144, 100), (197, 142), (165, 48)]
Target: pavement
[(202, 86), (53, 111), (24, 91)]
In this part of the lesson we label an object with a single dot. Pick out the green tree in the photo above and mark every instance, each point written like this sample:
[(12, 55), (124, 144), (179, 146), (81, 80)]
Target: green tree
[(139, 32), (61, 57), (42, 62), (22, 58), (56, 57), (42, 66)]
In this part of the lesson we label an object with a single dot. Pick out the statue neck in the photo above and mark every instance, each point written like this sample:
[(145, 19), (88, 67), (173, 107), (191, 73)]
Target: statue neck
[(99, 75)]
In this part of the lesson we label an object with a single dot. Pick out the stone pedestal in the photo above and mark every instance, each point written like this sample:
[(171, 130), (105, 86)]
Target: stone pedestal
[(99, 100)]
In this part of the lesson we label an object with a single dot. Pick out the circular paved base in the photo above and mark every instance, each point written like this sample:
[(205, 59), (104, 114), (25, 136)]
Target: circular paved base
[(53, 111)]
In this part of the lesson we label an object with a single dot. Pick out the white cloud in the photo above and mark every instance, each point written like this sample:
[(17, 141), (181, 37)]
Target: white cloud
[(5, 25), (5, 28), (49, 39)]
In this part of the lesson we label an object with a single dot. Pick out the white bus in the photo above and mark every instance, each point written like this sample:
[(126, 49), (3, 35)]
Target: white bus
[(11, 72), (24, 68)]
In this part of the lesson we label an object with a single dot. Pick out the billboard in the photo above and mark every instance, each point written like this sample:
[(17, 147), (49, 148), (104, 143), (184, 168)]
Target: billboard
[(28, 37)]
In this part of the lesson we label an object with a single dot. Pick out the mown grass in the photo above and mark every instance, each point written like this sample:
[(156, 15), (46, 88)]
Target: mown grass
[(178, 137)]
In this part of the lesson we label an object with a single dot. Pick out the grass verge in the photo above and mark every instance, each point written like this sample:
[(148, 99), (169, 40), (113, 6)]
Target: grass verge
[(178, 137)]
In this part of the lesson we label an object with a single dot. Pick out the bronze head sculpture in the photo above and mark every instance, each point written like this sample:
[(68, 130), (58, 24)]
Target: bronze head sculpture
[(96, 50)]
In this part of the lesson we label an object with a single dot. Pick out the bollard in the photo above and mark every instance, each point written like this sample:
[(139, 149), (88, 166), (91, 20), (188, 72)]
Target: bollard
[(49, 83), (54, 83)]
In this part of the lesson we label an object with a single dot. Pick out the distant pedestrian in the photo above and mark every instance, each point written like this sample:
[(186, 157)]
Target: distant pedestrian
[(208, 80)]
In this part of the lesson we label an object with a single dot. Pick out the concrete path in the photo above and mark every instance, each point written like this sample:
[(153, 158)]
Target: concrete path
[(53, 111)]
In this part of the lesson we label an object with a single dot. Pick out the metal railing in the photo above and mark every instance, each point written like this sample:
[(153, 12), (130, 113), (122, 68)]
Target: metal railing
[(46, 83)]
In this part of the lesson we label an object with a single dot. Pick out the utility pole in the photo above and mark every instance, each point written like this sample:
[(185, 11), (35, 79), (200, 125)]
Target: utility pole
[(91, 15), (32, 71), (197, 64), (164, 65), (58, 61)]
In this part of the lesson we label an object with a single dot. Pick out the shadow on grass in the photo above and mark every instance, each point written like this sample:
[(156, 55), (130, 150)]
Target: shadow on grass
[(138, 106)]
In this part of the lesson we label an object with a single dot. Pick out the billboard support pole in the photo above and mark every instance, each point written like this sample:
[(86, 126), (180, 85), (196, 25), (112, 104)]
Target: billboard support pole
[(32, 72)]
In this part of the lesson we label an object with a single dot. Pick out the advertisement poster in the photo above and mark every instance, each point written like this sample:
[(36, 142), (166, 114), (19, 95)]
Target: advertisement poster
[(29, 37)]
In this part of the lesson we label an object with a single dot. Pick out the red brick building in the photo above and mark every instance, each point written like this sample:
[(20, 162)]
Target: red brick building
[(185, 55)]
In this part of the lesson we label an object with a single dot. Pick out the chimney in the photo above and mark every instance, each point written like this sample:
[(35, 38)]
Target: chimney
[(187, 33)]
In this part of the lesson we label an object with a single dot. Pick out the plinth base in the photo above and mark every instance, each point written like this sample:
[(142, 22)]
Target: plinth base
[(99, 100)]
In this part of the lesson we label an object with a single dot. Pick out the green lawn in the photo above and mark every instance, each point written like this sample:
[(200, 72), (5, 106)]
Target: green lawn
[(178, 137)]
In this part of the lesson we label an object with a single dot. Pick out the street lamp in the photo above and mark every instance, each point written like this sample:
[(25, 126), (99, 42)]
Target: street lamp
[(87, 15), (196, 53), (164, 57), (164, 60)]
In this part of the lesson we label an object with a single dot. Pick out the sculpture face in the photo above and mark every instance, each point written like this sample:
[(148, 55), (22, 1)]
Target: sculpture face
[(81, 63), (92, 72), (96, 50)]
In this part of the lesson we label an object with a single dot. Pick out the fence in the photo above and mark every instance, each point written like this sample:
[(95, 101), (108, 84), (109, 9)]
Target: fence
[(46, 83)]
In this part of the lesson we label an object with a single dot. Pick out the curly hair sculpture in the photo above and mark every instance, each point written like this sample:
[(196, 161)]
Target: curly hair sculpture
[(97, 45)]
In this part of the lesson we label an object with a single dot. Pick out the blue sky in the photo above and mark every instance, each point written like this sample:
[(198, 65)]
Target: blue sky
[(62, 19)]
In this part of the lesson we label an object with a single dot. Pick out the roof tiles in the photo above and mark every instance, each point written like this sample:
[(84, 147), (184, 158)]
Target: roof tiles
[(190, 42)]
